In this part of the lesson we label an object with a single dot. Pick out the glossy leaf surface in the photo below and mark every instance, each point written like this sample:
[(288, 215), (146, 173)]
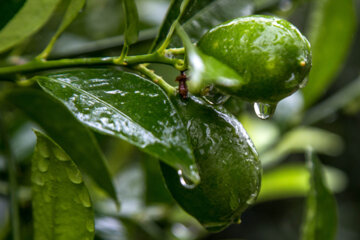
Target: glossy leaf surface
[(62, 207), (28, 20), (131, 21), (229, 167), (198, 16), (320, 220), (331, 31), (61, 125), (127, 106)]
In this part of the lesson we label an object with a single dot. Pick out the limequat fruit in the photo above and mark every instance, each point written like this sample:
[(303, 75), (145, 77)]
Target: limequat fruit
[(228, 164), (270, 54)]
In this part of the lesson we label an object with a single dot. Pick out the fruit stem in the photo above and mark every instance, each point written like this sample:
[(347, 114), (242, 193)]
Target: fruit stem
[(170, 90)]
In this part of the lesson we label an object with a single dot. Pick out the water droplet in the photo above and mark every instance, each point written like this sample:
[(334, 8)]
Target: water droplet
[(60, 155), (43, 149), (38, 179), (252, 198), (264, 110), (90, 226), (74, 175), (237, 221), (84, 198), (185, 182), (304, 82), (43, 164)]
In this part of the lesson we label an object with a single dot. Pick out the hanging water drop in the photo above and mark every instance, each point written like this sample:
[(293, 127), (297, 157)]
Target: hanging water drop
[(185, 182), (264, 110)]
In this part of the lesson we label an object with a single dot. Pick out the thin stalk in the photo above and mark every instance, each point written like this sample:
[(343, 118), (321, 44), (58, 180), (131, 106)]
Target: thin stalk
[(170, 90), (14, 208), (175, 51), (35, 65), (123, 54)]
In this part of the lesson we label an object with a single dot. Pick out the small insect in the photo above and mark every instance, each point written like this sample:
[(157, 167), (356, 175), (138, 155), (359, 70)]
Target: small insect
[(183, 90)]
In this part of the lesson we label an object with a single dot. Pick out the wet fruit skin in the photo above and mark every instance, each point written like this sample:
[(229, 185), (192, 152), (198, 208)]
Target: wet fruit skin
[(269, 53), (228, 164)]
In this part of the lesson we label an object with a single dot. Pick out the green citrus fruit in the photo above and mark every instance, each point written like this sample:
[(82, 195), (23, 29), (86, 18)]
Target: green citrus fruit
[(269, 53), (228, 164)]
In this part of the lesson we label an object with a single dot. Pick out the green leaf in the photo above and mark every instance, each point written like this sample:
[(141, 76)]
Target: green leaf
[(62, 208), (28, 20), (127, 106), (298, 140), (206, 70), (61, 125), (332, 22), (73, 9), (198, 16), (8, 9), (320, 220), (131, 21), (292, 180)]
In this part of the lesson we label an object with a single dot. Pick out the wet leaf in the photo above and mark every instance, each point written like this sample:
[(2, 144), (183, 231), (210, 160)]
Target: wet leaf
[(292, 180), (229, 167), (131, 21), (198, 16), (320, 220), (61, 125), (206, 70), (62, 208), (127, 106), (28, 20), (332, 22)]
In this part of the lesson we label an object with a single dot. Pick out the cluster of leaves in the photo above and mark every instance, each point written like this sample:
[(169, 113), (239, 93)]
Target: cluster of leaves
[(73, 106)]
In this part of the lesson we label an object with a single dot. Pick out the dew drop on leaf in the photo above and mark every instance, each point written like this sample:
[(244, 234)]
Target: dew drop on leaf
[(43, 164), (43, 149), (185, 182), (38, 179), (60, 155), (264, 110), (74, 175), (90, 226), (84, 198)]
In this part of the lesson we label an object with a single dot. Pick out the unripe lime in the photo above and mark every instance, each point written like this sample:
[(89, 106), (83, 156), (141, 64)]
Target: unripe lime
[(228, 164), (269, 53)]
